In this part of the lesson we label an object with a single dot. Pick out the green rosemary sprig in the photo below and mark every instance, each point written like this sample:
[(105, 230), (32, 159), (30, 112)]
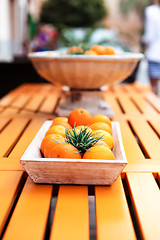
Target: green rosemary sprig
[(82, 140)]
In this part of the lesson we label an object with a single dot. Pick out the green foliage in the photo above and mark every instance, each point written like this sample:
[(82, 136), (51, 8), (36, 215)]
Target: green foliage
[(69, 38), (72, 13), (87, 37), (83, 140), (32, 26)]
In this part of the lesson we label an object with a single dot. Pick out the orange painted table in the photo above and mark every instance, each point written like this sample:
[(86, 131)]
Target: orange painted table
[(129, 209)]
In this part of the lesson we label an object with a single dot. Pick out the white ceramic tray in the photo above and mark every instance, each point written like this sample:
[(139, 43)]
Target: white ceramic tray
[(73, 171)]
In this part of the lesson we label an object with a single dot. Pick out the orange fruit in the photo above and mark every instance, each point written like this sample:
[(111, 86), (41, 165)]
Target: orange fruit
[(78, 117), (81, 127), (109, 50), (56, 139), (65, 150), (62, 123), (90, 52), (101, 142), (107, 137), (75, 49), (101, 126), (101, 118), (98, 49), (56, 129), (60, 119), (99, 152), (45, 141)]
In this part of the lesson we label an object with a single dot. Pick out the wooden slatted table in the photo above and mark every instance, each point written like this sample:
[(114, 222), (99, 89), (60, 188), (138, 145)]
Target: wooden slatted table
[(129, 209)]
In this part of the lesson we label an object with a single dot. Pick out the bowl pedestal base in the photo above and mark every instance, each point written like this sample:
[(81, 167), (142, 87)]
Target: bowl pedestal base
[(89, 100)]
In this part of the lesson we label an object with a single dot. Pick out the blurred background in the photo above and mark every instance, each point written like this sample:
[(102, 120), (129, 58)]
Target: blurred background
[(40, 25)]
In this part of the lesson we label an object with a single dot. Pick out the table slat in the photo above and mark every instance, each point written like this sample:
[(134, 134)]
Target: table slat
[(10, 135), (154, 100), (71, 220), (112, 101), (143, 105), (35, 102), (10, 164), (27, 137), (3, 122), (10, 111), (147, 137), (145, 197), (147, 165), (7, 100), (9, 181), (128, 106), (119, 89), (131, 147), (49, 103), (21, 100), (113, 217), (155, 123), (31, 213)]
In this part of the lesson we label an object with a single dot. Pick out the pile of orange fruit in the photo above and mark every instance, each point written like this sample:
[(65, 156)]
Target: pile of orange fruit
[(94, 50), (98, 127)]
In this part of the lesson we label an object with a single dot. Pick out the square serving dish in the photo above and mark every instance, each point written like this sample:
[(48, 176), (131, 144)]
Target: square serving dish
[(73, 171)]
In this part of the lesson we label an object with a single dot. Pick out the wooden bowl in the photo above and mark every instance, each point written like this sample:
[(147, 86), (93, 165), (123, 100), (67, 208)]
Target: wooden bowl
[(84, 71), (73, 171)]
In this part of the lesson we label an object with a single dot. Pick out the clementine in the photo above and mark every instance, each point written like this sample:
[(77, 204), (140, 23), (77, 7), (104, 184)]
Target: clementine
[(98, 49), (56, 129), (78, 117), (49, 146), (101, 118), (109, 50), (45, 140), (75, 49), (90, 52), (99, 152), (65, 150), (62, 123), (101, 142), (101, 126), (106, 137), (61, 119)]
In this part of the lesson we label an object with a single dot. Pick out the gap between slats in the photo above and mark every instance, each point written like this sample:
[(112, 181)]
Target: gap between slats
[(138, 141), (153, 128), (35, 102), (16, 140), (144, 198), (14, 202), (51, 212), (152, 103), (5, 124), (127, 105), (157, 178), (91, 202), (147, 138), (92, 214), (131, 209), (138, 108)]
